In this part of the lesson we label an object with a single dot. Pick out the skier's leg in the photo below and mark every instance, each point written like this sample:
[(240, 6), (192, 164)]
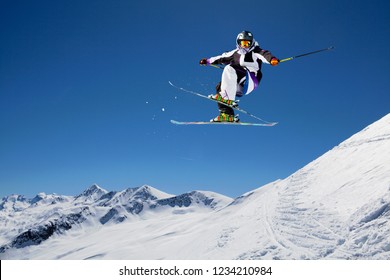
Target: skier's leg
[(227, 89), (223, 108), (229, 83)]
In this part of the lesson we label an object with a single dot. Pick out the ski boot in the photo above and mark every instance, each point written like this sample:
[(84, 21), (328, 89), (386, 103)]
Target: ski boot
[(218, 97), (223, 117)]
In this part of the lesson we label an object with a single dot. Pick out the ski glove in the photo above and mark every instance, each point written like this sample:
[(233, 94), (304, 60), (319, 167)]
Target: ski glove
[(274, 61), (204, 61)]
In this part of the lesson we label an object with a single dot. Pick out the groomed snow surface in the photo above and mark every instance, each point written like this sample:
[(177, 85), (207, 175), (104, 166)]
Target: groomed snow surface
[(336, 207)]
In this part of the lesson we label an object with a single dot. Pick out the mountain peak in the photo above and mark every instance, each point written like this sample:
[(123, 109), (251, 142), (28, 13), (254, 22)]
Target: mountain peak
[(200, 198), (92, 193), (146, 189), (14, 202), (38, 197), (130, 195), (14, 198)]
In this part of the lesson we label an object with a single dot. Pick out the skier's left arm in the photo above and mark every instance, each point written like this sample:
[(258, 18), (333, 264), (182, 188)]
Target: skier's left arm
[(267, 57)]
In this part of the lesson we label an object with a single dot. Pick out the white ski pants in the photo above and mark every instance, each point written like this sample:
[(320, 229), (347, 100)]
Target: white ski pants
[(230, 85)]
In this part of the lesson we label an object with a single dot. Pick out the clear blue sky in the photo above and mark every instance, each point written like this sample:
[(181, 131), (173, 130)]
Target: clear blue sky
[(84, 93)]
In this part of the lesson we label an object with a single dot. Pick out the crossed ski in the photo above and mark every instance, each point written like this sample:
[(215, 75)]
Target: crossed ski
[(235, 107)]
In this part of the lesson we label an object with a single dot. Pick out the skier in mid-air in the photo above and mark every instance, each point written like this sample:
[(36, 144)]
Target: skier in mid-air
[(241, 75)]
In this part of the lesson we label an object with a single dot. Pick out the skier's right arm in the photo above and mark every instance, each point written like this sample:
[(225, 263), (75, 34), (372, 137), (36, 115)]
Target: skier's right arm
[(224, 58)]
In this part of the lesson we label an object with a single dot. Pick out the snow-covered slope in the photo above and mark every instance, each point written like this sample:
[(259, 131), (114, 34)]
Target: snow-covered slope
[(336, 207)]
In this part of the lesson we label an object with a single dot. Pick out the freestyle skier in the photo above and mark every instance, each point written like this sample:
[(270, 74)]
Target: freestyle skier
[(241, 75)]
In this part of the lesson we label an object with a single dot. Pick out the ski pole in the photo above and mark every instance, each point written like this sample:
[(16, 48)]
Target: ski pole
[(304, 54), (288, 58), (217, 66)]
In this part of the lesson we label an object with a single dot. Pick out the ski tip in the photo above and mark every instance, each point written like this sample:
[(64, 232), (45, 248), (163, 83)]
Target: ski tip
[(174, 122), (270, 124)]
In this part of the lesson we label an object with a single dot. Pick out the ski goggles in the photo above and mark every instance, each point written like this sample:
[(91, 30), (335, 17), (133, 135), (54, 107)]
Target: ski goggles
[(245, 43)]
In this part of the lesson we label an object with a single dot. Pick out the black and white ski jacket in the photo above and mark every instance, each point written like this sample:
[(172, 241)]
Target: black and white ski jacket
[(250, 60)]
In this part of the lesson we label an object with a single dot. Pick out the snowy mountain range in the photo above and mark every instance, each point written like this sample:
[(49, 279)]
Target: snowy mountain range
[(336, 207)]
